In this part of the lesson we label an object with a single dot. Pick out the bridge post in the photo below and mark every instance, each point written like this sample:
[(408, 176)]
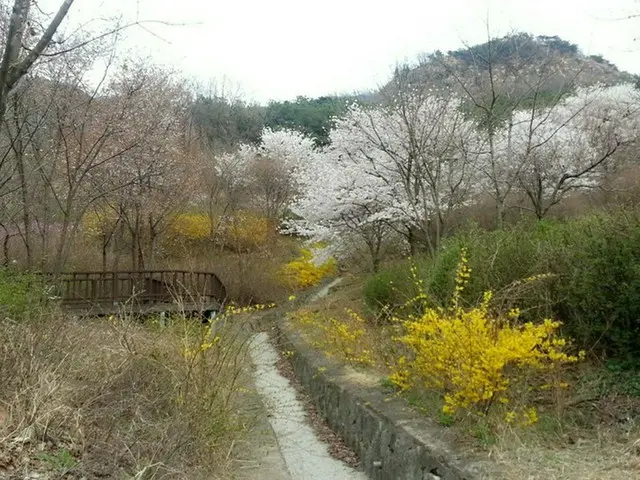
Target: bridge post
[(114, 288)]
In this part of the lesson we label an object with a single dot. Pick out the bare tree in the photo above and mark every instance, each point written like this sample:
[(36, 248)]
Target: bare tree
[(23, 46), (96, 141), (272, 187), (567, 148), (156, 177), (498, 79)]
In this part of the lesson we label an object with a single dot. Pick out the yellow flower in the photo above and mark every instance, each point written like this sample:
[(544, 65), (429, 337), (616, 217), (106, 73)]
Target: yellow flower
[(531, 417), (303, 271), (342, 338), (473, 356), (510, 417)]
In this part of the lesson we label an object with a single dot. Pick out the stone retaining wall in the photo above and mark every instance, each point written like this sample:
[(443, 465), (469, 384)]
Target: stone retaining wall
[(392, 441)]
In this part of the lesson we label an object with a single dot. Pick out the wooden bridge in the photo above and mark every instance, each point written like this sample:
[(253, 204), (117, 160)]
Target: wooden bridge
[(148, 291)]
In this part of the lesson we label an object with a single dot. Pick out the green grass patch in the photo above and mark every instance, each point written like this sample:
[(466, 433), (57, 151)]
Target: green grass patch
[(584, 272)]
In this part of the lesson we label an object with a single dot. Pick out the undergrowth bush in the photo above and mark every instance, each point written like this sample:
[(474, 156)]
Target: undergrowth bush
[(189, 228), (21, 294), (240, 231), (584, 272), (388, 289), (501, 261), (243, 231), (98, 223), (601, 292)]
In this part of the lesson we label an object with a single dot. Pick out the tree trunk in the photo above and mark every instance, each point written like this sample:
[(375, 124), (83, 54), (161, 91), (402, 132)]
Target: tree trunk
[(412, 241), (11, 68), (5, 249), (60, 251), (18, 148), (5, 245), (117, 241), (499, 214), (26, 214), (140, 255), (105, 247), (375, 258), (153, 243), (134, 250)]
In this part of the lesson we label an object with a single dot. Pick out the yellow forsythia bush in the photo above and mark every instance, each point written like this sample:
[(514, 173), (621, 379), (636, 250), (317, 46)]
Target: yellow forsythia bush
[(474, 357), (209, 335), (240, 231), (342, 339), (96, 224), (244, 231), (189, 227), (303, 272), (186, 230)]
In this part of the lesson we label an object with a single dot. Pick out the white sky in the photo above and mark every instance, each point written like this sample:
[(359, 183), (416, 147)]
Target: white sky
[(278, 49)]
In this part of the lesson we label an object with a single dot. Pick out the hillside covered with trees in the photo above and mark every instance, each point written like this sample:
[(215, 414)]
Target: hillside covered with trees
[(515, 61), (519, 58)]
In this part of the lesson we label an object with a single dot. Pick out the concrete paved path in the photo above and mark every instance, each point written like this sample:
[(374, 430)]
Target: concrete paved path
[(302, 455)]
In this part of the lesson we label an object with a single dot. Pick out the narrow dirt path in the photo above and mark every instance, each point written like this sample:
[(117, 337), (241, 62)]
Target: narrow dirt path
[(303, 455)]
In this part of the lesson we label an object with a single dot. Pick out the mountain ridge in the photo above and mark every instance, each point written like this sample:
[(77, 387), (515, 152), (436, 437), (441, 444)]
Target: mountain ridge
[(512, 62)]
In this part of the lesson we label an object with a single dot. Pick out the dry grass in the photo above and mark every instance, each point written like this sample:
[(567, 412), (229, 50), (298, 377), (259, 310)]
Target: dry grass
[(114, 398), (252, 278), (593, 436), (599, 456)]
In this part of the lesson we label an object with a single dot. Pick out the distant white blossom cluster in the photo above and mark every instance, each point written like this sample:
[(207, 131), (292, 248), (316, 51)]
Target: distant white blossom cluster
[(268, 171), (404, 168), (551, 151)]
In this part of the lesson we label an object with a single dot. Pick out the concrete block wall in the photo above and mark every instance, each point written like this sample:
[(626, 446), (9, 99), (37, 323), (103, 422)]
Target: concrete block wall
[(393, 441)]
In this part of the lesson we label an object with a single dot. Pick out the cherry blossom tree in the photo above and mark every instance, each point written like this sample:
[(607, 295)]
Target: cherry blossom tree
[(504, 83), (272, 168), (264, 173), (402, 168), (421, 149), (565, 147), (154, 177), (341, 206), (408, 165)]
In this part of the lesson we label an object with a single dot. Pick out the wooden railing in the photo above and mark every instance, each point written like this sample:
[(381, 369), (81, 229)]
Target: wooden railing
[(100, 289)]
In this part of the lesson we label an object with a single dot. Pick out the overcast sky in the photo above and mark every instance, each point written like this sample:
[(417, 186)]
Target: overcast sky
[(278, 49)]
